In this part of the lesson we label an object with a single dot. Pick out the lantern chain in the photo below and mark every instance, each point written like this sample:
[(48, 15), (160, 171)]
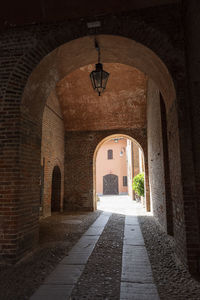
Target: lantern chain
[(98, 49)]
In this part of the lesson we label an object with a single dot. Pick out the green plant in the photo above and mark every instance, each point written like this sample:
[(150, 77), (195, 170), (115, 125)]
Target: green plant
[(138, 184)]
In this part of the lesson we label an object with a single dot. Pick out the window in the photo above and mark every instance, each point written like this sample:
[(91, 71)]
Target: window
[(124, 180), (110, 154)]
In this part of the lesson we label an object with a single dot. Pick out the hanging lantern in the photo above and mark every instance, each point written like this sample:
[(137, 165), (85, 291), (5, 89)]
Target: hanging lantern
[(99, 77)]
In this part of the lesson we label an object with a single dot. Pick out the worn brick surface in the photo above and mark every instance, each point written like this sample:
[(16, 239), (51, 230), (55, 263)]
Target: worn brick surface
[(52, 151), (191, 21), (79, 150), (155, 154)]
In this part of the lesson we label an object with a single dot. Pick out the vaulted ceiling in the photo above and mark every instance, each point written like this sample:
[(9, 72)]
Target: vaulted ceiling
[(122, 105), (34, 11)]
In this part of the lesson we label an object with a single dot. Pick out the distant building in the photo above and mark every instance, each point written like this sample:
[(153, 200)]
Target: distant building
[(111, 168), (118, 161)]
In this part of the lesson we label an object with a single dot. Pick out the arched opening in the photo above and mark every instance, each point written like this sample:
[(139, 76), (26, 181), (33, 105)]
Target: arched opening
[(78, 57), (52, 152), (127, 162), (56, 190), (81, 52)]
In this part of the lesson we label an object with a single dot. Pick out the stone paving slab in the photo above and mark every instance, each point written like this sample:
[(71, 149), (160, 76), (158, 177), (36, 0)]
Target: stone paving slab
[(133, 235), (140, 252), (52, 292), (65, 274), (138, 291), (87, 239), (84, 248), (131, 220), (94, 231), (60, 283), (136, 278), (79, 258), (97, 227), (81, 251), (139, 274), (101, 220)]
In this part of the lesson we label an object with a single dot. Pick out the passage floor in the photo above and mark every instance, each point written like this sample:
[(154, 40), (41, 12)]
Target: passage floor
[(114, 249), (101, 255)]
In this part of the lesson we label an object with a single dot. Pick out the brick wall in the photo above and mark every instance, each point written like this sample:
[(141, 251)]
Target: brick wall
[(79, 151), (9, 181), (155, 154), (191, 21), (157, 167), (52, 153), (169, 207)]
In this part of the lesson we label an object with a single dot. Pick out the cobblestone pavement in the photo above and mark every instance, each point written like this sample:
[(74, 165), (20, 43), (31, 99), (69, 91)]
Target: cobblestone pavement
[(58, 234), (100, 276), (171, 277), (95, 267)]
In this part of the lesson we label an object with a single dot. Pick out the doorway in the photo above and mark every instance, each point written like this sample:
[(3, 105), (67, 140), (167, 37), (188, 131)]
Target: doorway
[(110, 184), (56, 190)]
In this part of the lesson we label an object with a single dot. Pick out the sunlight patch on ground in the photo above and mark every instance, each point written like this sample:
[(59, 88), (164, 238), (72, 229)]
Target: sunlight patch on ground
[(121, 205)]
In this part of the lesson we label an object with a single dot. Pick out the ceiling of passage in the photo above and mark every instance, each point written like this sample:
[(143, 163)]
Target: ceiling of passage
[(34, 11), (122, 105)]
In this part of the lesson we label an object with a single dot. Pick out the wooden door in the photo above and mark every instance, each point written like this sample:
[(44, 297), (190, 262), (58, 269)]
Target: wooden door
[(110, 184)]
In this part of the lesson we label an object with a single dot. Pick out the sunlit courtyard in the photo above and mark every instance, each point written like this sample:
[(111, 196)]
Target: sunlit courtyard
[(121, 205)]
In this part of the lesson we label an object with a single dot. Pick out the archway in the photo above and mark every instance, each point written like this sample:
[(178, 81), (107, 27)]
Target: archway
[(54, 68), (52, 151), (79, 53), (56, 190), (123, 166)]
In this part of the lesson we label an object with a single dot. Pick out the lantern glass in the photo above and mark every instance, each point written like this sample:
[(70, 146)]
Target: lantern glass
[(99, 78)]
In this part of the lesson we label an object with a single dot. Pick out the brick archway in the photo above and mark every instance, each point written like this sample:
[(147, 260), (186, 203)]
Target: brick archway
[(68, 57), (138, 48), (141, 142), (80, 52), (77, 53)]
